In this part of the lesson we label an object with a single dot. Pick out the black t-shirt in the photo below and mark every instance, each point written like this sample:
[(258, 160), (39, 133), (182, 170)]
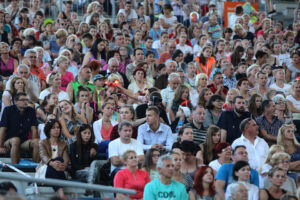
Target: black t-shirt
[(250, 36)]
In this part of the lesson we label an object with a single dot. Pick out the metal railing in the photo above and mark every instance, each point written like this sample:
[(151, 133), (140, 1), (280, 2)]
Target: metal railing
[(56, 182)]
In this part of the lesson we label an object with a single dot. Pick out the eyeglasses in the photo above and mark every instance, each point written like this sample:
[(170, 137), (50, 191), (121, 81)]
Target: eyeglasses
[(32, 57), (73, 40), (226, 149), (63, 24), (23, 72)]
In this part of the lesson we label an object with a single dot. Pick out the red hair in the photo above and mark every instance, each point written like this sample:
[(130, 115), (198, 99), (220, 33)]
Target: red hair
[(198, 186)]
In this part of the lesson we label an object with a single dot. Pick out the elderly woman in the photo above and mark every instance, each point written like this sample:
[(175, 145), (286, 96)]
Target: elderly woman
[(73, 67), (251, 72), (54, 45), (54, 81), (131, 177), (40, 60), (66, 77), (139, 84), (281, 109), (54, 154), (282, 160), (200, 83)]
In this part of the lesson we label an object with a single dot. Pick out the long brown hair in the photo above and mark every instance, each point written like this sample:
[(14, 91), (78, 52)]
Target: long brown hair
[(13, 90), (201, 100), (208, 144), (79, 141)]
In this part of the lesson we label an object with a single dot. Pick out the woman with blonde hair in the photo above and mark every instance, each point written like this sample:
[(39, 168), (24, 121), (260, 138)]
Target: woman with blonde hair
[(229, 105), (261, 86), (282, 160), (70, 121), (200, 83), (54, 45), (265, 168), (92, 8), (279, 84), (286, 138)]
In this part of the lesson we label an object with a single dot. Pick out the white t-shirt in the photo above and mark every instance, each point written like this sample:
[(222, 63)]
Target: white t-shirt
[(157, 45), (168, 21), (284, 58), (62, 95), (296, 103), (41, 131), (132, 14), (197, 50), (286, 88), (185, 49), (117, 148), (215, 165)]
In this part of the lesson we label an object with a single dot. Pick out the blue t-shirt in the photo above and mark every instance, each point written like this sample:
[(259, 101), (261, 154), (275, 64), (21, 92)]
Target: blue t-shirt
[(158, 191), (225, 174)]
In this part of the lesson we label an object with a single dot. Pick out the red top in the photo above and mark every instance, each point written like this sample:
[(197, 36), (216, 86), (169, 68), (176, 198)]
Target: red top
[(127, 180), (65, 80), (105, 133)]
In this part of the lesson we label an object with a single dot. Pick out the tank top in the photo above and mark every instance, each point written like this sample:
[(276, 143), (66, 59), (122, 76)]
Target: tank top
[(270, 197), (8, 68)]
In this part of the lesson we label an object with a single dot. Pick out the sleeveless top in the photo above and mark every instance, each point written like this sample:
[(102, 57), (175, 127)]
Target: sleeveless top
[(8, 68), (270, 197), (203, 198), (206, 69), (105, 133)]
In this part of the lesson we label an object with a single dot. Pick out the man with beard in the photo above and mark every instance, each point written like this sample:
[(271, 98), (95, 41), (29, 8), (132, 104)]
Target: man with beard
[(230, 120), (256, 147)]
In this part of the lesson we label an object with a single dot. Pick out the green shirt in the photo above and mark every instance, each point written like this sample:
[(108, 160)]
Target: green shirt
[(155, 190), (76, 84)]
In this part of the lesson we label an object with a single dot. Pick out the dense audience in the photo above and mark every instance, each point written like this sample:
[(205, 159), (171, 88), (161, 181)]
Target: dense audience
[(164, 99)]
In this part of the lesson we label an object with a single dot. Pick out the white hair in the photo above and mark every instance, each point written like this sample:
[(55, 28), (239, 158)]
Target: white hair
[(234, 187), (171, 61), (28, 51), (173, 75), (111, 60), (39, 48), (160, 162), (22, 66)]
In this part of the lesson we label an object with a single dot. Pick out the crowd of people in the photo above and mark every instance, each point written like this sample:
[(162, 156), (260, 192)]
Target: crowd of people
[(178, 105)]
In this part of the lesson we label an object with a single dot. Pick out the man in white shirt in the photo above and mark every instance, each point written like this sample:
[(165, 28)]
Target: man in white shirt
[(167, 94), (118, 146), (130, 13), (257, 148)]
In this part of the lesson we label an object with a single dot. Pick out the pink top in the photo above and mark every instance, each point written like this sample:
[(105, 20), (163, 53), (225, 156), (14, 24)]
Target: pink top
[(65, 80), (126, 180), (8, 68)]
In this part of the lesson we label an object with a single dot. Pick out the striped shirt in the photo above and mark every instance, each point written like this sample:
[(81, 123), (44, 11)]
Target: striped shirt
[(271, 128), (199, 134)]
